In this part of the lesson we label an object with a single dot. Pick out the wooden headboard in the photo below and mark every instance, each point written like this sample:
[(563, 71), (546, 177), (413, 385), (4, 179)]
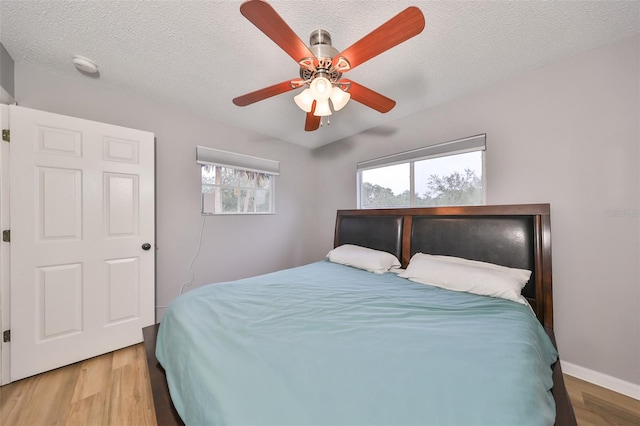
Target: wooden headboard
[(517, 236)]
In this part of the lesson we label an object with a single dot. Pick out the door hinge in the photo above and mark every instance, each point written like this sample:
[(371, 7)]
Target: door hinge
[(6, 336), (6, 135), (6, 235)]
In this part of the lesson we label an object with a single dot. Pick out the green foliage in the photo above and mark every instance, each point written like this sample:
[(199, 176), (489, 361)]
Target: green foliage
[(373, 196), (452, 190), (456, 189)]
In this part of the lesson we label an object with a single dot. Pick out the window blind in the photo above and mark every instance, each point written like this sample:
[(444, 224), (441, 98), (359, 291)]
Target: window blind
[(218, 157), (472, 143)]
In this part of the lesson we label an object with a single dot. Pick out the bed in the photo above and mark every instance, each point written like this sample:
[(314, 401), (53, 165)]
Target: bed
[(327, 343)]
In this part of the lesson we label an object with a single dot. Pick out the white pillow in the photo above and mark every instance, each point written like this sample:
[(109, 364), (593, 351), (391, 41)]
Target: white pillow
[(519, 274), (363, 258), (470, 276)]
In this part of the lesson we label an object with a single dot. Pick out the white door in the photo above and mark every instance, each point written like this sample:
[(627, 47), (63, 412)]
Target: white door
[(5, 249), (82, 208)]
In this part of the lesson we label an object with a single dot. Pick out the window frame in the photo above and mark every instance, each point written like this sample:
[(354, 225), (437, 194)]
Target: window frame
[(255, 189), (447, 149), (206, 156)]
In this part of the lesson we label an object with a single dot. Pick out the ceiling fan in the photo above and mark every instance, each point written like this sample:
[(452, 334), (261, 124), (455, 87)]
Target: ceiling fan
[(322, 66)]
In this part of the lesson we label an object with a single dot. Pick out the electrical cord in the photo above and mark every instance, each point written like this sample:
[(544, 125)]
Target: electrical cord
[(193, 275)]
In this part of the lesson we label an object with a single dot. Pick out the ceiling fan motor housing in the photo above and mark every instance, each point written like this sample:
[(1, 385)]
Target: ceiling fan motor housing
[(320, 46)]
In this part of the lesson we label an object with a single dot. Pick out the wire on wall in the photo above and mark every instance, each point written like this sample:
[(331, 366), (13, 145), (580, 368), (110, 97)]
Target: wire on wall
[(195, 256)]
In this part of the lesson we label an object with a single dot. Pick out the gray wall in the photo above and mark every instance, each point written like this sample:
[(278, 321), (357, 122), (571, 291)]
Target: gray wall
[(232, 246), (7, 86), (566, 134)]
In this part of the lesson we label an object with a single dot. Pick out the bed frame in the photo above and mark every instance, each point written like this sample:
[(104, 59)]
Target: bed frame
[(517, 236)]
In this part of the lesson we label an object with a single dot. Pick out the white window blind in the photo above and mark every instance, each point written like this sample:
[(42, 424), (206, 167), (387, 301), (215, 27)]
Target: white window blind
[(472, 143), (218, 157)]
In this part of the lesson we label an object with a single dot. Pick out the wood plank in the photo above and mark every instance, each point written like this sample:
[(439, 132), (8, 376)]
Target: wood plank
[(596, 406), (90, 392), (128, 388), (94, 375), (88, 411), (13, 399), (59, 385)]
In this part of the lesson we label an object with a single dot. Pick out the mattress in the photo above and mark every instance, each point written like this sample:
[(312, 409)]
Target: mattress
[(327, 344)]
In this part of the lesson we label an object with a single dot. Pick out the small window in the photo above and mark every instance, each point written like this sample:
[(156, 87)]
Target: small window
[(236, 183), (449, 174), (229, 190)]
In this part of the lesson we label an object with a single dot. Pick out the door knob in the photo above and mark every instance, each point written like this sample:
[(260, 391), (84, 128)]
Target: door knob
[(146, 246)]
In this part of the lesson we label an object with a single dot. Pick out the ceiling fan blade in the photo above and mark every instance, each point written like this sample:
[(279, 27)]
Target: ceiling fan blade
[(312, 122), (263, 16), (265, 93), (368, 97), (403, 26)]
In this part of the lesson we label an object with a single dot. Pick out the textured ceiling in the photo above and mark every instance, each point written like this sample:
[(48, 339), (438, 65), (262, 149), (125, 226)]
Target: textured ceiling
[(199, 55)]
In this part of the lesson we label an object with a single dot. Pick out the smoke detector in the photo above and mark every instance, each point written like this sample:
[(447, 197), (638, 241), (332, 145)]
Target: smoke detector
[(85, 65)]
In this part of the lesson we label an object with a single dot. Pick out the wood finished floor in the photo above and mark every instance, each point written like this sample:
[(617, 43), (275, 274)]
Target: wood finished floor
[(111, 389), (114, 389), (596, 406)]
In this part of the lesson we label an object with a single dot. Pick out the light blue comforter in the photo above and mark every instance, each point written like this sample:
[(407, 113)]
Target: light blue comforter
[(326, 344)]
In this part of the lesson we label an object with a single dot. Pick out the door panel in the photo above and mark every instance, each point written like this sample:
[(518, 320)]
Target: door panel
[(121, 204), (82, 205), (59, 141), (120, 150), (123, 283), (59, 220), (59, 301)]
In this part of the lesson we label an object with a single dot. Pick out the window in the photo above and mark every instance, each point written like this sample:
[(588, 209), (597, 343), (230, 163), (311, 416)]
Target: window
[(236, 183), (229, 190), (448, 174)]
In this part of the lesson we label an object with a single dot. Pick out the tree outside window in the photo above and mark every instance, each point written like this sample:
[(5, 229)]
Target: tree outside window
[(232, 190), (450, 180)]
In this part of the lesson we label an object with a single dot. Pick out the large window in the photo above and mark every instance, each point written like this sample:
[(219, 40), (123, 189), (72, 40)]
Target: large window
[(448, 174), (235, 183)]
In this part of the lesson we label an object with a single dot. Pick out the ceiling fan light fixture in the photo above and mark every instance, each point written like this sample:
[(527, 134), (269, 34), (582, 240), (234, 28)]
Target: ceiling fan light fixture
[(304, 100), (320, 89), (322, 109), (339, 98)]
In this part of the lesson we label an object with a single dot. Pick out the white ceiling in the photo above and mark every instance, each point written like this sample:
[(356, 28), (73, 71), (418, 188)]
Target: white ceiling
[(199, 55)]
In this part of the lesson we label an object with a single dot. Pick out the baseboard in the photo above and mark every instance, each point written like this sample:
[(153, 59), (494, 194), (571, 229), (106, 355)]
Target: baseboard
[(612, 383)]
